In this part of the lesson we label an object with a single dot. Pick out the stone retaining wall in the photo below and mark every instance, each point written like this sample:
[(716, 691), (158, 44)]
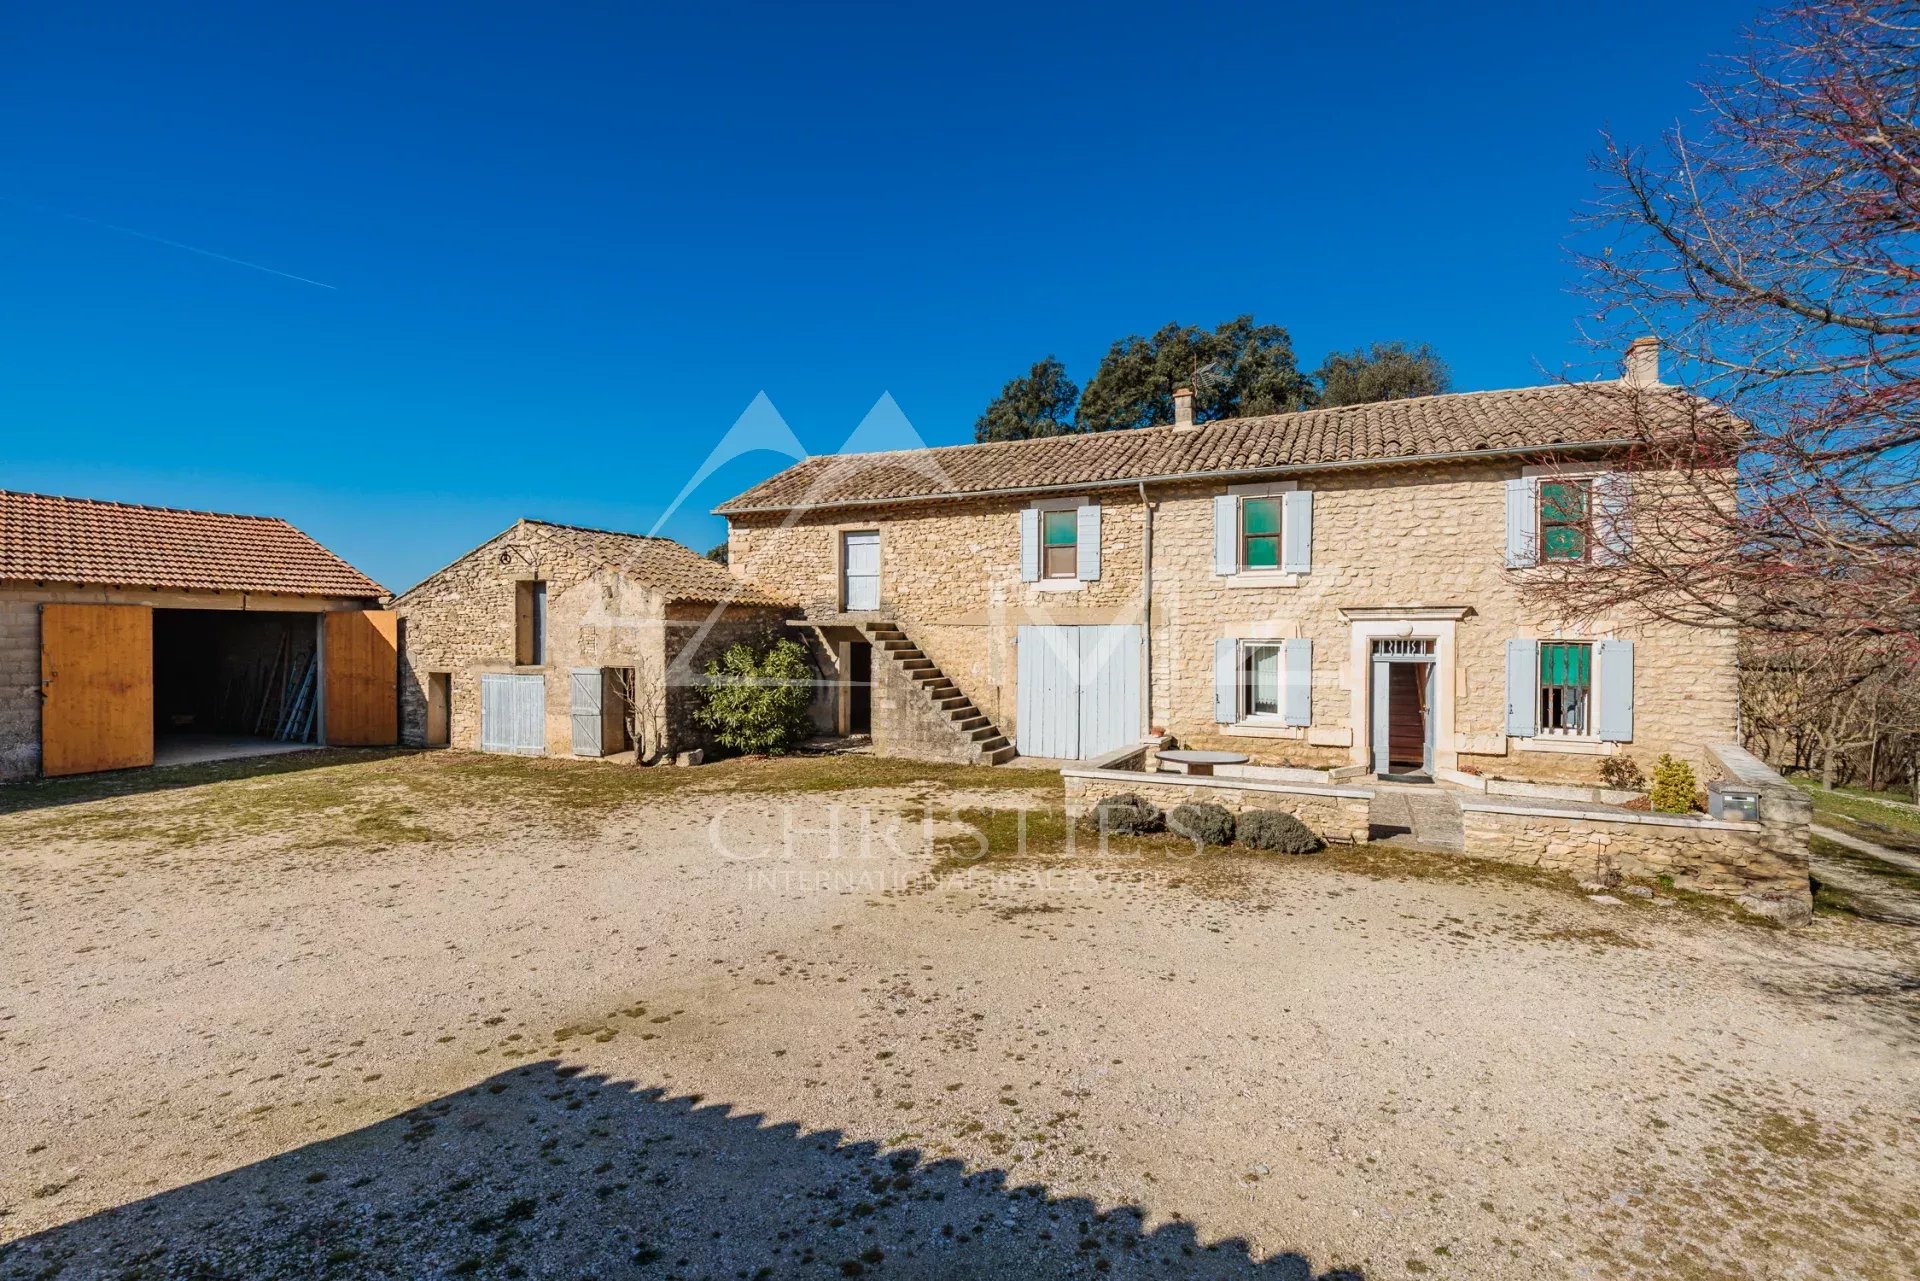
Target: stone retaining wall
[(1336, 813), (1762, 866)]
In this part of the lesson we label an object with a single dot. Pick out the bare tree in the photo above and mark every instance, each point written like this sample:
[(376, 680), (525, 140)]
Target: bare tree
[(1774, 251)]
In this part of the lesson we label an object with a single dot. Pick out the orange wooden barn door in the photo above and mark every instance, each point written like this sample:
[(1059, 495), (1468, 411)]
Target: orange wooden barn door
[(96, 688), (363, 678)]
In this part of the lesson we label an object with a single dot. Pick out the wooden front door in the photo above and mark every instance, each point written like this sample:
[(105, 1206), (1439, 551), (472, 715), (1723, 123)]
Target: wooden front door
[(1407, 717), (96, 688), (362, 678)]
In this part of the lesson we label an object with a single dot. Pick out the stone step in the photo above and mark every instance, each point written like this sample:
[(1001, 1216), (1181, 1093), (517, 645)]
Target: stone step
[(898, 648), (929, 676), (972, 721), (999, 755), (921, 664), (985, 732)]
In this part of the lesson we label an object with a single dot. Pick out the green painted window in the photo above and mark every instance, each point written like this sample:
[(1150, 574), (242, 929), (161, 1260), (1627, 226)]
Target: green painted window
[(1563, 519), (1060, 543), (1259, 533), (1566, 687)]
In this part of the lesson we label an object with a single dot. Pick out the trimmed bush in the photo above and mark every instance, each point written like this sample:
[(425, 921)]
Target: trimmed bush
[(1128, 815), (756, 696), (1279, 832), (1622, 772), (1203, 821), (1673, 786)]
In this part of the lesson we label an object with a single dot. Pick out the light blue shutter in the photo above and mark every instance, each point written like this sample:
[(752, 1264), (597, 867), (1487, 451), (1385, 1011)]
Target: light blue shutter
[(1523, 523), (584, 686), (1523, 687), (1299, 676), (1226, 534), (1296, 544), (1612, 521), (1613, 669), (1226, 681), (1088, 554), (1029, 545)]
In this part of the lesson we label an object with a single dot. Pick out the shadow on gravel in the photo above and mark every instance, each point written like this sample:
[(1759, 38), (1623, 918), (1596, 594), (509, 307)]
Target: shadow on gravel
[(542, 1172), (18, 798)]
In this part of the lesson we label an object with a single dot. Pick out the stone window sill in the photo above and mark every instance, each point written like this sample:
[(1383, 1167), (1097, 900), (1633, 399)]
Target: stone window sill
[(1059, 584), (1263, 728), (1566, 746), (1262, 578)]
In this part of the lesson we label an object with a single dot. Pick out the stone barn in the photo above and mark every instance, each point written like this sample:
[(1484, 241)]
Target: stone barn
[(135, 635), (539, 640)]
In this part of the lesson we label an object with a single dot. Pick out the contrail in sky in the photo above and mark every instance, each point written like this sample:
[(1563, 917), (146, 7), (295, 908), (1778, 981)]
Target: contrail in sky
[(162, 240)]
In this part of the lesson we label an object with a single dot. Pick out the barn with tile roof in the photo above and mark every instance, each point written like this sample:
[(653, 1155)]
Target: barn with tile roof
[(133, 635), (553, 639)]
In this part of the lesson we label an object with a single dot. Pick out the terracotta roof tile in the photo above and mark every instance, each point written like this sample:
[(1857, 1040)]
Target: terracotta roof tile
[(84, 540), (673, 569), (1424, 427)]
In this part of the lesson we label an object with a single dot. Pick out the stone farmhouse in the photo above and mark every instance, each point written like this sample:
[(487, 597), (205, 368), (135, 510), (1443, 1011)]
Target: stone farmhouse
[(537, 641), (1336, 589)]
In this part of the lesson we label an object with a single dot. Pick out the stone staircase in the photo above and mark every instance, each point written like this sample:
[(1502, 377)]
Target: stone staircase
[(974, 736)]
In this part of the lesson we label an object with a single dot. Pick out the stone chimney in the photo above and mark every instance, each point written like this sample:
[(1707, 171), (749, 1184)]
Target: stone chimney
[(1642, 365), (1183, 406)]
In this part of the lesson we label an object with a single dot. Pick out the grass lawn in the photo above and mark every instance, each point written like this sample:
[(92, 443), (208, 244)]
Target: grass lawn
[(1868, 815)]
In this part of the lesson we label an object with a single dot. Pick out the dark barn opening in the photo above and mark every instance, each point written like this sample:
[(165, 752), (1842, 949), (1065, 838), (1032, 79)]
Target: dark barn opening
[(233, 682)]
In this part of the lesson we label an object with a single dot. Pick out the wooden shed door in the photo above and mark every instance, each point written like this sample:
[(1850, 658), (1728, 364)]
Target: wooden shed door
[(362, 674), (96, 685)]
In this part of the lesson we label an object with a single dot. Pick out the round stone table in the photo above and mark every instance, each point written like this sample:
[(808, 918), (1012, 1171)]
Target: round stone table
[(1201, 763)]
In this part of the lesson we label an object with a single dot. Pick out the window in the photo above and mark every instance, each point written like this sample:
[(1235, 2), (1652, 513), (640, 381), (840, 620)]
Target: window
[(530, 624), (1260, 533), (1059, 544), (1566, 688), (1259, 678), (1564, 508)]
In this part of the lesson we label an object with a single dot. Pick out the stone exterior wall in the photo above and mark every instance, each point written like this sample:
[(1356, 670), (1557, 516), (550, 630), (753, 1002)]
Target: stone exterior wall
[(462, 621), (1762, 865), (1387, 539), (1337, 814), (20, 648), (1729, 860)]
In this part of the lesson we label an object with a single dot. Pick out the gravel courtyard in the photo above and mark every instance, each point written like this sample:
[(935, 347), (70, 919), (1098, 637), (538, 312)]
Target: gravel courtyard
[(445, 1015)]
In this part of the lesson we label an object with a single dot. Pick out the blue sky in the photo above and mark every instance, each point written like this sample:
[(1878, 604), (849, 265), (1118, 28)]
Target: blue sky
[(550, 253)]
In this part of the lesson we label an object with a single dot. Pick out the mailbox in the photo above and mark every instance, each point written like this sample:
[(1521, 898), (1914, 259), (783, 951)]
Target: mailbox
[(1736, 801)]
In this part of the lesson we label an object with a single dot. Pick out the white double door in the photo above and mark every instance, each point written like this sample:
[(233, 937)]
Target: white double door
[(1079, 690)]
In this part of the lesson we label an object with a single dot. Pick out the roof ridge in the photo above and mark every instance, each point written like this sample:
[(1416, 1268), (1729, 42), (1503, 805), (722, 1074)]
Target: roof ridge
[(595, 529), (1601, 383), (145, 507)]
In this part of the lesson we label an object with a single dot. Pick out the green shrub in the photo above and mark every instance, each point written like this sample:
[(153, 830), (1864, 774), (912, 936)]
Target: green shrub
[(756, 697), (1623, 773), (1673, 786), (1203, 821), (1278, 831), (1128, 815)]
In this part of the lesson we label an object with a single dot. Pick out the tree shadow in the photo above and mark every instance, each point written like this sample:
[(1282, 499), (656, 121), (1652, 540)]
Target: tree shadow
[(543, 1172), (38, 794)]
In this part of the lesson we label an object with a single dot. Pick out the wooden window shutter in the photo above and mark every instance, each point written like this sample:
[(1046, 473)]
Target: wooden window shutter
[(1226, 681), (1299, 678), (1613, 671), (1296, 544), (1612, 521), (1523, 687), (1087, 563), (1030, 545), (1523, 523), (1226, 534)]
